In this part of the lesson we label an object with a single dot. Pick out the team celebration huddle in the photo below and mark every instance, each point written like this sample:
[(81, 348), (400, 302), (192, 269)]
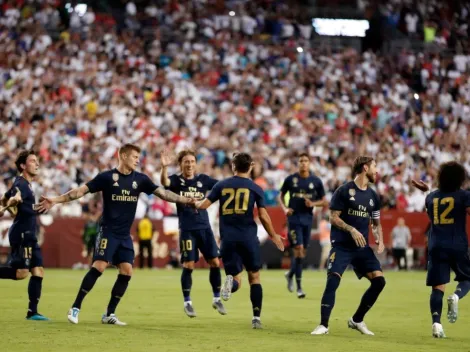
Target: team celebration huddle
[(354, 211)]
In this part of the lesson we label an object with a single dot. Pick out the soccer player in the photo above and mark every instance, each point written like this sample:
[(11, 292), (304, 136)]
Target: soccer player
[(306, 192), (25, 252), (240, 245), (447, 208), (195, 231), (351, 208), (121, 188)]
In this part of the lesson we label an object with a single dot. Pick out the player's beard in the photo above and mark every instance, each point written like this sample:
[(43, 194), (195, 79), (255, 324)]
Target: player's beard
[(371, 177)]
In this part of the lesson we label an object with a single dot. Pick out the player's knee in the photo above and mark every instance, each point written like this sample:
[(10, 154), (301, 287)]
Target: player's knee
[(38, 271), (254, 277), (214, 263), (188, 265), (238, 279), (332, 282), (125, 269), (22, 274), (100, 265), (439, 287), (298, 251), (378, 283)]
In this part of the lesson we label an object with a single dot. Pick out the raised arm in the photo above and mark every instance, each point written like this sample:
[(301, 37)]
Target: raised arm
[(47, 203), (165, 161), (268, 226)]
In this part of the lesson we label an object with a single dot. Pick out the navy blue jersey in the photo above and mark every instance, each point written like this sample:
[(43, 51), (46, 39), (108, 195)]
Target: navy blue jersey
[(197, 187), (357, 208), (120, 195), (300, 188), (238, 196), (448, 214), (25, 219)]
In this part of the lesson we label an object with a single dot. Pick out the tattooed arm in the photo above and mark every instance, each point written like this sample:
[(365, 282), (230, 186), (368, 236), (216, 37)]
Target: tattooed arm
[(171, 197), (378, 234), (47, 203), (337, 222)]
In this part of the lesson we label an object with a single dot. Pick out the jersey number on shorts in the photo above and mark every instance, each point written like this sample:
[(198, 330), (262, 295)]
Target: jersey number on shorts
[(443, 219), (241, 196), (28, 252), (186, 245)]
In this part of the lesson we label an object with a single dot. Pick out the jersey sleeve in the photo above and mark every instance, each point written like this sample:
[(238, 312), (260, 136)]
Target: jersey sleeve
[(320, 189), (259, 197), (147, 186), (466, 199), (338, 200), (173, 183), (376, 207), (97, 184), (285, 186), (216, 192), (211, 182)]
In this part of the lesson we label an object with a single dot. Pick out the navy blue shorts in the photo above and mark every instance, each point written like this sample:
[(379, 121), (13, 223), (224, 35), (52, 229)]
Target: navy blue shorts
[(442, 261), (25, 252), (113, 249), (299, 235), (240, 253), (191, 242), (363, 261)]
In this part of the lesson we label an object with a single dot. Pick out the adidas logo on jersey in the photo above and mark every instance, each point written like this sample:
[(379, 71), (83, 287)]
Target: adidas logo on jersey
[(116, 184)]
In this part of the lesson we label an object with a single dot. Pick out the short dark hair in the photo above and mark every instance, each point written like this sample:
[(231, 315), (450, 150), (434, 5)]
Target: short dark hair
[(184, 153), (126, 148), (304, 154), (451, 176), (359, 163), (242, 162), (22, 157)]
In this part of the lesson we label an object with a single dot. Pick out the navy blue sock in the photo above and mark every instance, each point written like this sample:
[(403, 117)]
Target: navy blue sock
[(216, 281), (369, 298), (328, 299), (7, 273), (298, 272), (235, 286), (186, 283), (87, 284), (435, 304), (462, 289), (256, 296), (119, 288), (34, 293), (292, 268)]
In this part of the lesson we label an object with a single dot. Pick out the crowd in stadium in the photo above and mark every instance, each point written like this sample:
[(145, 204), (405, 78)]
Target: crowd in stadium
[(240, 79)]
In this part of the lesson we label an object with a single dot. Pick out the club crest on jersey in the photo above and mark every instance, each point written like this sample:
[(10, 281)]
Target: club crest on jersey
[(115, 179), (199, 184), (371, 203), (352, 193), (310, 186), (295, 180), (134, 185)]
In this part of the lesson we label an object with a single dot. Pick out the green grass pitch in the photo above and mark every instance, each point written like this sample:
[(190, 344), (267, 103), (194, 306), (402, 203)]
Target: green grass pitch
[(153, 309)]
